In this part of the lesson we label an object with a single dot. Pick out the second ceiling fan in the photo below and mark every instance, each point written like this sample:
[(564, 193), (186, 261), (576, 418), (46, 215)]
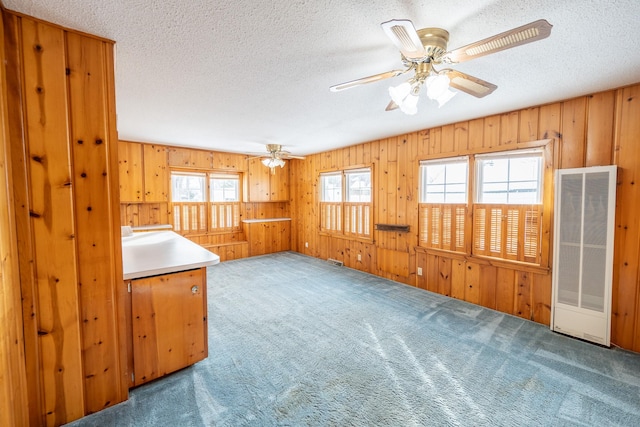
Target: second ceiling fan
[(422, 49)]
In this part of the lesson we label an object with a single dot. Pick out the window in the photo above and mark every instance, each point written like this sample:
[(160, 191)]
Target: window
[(443, 203), (444, 181), (507, 212), (509, 178), (345, 202), (504, 220), (205, 202)]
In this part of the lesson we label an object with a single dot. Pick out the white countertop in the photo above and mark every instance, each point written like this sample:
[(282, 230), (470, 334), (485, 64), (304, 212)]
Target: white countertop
[(160, 252), (266, 220)]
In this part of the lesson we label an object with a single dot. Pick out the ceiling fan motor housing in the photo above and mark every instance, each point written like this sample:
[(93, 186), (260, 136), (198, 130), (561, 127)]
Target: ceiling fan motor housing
[(434, 41)]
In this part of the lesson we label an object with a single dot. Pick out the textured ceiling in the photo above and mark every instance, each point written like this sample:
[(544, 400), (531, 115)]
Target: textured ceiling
[(235, 75)]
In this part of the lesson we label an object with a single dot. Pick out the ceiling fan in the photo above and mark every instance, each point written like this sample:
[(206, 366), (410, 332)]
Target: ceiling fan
[(423, 49), (275, 156)]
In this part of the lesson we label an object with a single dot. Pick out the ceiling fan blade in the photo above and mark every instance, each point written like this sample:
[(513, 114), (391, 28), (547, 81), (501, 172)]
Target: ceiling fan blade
[(370, 79), (291, 156), (391, 106), (404, 35), (528, 33), (469, 84)]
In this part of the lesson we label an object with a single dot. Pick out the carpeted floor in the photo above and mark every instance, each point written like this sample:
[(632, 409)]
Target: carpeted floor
[(295, 341)]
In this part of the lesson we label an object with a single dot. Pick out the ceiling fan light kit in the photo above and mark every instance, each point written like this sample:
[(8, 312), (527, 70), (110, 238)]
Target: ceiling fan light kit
[(421, 49), (274, 157)]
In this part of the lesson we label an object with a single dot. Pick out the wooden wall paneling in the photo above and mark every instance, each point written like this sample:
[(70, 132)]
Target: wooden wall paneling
[(458, 272), (523, 294), (156, 174), (546, 229), (472, 283), (258, 187), (14, 396), (600, 128), (381, 207), (488, 286), (190, 158), (549, 121), (444, 276), (476, 135), (491, 137), (95, 237), (572, 146), (423, 143), (123, 299), (541, 297), (461, 137), (51, 203), (279, 183), (505, 290), (431, 272), (528, 126), (393, 262), (130, 170), (448, 140), (509, 129), (421, 262), (434, 141), (229, 161), (625, 305)]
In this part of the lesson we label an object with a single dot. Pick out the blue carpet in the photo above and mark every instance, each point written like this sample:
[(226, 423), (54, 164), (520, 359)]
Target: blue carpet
[(295, 341)]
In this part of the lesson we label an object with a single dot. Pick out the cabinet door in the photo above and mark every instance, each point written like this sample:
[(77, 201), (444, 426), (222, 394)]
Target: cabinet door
[(258, 186), (169, 323), (279, 184)]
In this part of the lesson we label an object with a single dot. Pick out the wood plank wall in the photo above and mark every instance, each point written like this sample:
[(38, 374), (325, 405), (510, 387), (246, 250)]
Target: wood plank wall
[(597, 129), (13, 380), (145, 197), (61, 96)]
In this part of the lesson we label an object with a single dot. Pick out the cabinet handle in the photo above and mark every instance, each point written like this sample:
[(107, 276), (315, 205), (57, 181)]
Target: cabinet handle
[(194, 289)]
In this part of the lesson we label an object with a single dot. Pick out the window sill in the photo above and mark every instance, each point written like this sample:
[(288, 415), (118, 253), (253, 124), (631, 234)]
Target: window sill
[(343, 237), (485, 260)]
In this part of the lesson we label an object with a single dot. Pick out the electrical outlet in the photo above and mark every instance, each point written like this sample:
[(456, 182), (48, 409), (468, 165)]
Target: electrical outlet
[(419, 271), (359, 257), (306, 244)]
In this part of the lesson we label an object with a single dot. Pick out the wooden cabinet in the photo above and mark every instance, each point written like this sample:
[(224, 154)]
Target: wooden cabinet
[(268, 236), (143, 172), (262, 186), (169, 323)]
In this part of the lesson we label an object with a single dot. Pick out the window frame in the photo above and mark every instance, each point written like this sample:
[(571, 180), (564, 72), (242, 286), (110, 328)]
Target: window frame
[(517, 229), (346, 218), (511, 154), (423, 186), (208, 216)]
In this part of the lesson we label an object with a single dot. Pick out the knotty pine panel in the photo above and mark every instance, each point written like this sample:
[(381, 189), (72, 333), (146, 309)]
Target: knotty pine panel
[(491, 137), (14, 395), (444, 276), (131, 172), (572, 142), (458, 272), (18, 154), (528, 126), (98, 264), (190, 158), (626, 295), (600, 128), (51, 210), (509, 127), (137, 214), (156, 174), (488, 291)]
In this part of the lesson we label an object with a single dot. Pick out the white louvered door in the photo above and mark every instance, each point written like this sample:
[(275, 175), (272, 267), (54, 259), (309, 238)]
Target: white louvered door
[(583, 252)]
